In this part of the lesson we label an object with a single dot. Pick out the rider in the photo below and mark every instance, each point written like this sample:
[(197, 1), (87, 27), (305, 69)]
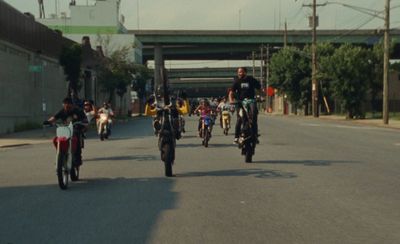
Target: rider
[(106, 109), (68, 113), (204, 110), (222, 106), (243, 87), (89, 110), (158, 102)]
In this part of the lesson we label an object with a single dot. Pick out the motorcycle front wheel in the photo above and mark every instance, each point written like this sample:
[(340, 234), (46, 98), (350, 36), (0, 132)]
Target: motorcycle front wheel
[(62, 170)]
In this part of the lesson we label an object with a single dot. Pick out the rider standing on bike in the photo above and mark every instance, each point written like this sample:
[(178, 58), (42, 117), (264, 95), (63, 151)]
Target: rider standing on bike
[(243, 87), (204, 110), (72, 113)]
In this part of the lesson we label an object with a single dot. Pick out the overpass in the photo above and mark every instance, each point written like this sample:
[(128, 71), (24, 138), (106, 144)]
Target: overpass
[(160, 45), (237, 45)]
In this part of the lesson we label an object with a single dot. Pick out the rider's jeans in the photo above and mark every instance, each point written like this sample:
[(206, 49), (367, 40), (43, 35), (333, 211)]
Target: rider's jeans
[(254, 112), (77, 154)]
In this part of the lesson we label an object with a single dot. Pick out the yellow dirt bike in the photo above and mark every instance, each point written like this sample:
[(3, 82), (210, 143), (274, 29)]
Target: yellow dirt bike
[(226, 121)]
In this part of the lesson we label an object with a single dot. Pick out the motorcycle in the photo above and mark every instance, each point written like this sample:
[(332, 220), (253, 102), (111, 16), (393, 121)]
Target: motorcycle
[(205, 130), (104, 126), (226, 121), (182, 124), (66, 144), (247, 139)]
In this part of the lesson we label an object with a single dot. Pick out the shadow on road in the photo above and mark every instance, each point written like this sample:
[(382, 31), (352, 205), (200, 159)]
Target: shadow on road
[(124, 158), (116, 210), (258, 173), (210, 145), (304, 162)]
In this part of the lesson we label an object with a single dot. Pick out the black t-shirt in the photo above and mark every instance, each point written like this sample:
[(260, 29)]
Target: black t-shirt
[(245, 88), (75, 114)]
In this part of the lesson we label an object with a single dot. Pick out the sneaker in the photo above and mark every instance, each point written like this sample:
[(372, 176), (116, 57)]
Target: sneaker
[(236, 140)]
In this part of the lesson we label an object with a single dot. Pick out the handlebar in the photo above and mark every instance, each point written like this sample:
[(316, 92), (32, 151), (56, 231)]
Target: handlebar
[(50, 124)]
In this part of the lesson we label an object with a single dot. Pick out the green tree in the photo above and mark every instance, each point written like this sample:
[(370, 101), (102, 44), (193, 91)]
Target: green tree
[(290, 74), (141, 76), (375, 83), (349, 69), (395, 66), (325, 52), (71, 59), (118, 72)]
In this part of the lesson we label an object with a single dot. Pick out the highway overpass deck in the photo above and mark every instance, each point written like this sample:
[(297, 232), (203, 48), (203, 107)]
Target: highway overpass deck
[(237, 45)]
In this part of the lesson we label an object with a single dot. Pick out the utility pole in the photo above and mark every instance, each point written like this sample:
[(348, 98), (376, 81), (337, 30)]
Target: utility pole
[(267, 103), (385, 109), (262, 65), (314, 62), (315, 90), (253, 55), (240, 19), (42, 14), (137, 14), (285, 36)]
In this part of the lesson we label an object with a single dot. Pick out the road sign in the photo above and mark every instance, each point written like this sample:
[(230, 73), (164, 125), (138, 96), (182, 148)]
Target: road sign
[(35, 68)]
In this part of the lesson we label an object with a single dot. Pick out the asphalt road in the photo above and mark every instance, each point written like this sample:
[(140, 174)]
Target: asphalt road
[(311, 181)]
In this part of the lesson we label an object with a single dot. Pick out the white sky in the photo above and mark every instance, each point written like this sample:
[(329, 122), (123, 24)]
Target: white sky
[(224, 14)]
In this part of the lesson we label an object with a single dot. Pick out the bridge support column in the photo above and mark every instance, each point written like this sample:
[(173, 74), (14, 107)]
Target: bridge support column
[(158, 65)]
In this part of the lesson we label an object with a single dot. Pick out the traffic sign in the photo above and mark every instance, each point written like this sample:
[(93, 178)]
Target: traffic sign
[(35, 68)]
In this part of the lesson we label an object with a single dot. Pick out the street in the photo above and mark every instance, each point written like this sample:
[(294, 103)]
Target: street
[(312, 181)]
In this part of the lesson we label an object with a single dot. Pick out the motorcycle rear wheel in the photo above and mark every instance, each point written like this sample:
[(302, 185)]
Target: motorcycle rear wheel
[(206, 137), (166, 156), (74, 173)]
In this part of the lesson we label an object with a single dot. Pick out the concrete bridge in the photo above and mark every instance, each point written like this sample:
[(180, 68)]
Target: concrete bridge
[(238, 45), (204, 82), (160, 45)]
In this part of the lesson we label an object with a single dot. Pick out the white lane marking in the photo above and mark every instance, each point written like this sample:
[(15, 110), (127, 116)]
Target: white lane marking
[(339, 126), (308, 124)]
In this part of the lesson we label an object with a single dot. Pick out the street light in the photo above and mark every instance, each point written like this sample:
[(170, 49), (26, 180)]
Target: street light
[(386, 54)]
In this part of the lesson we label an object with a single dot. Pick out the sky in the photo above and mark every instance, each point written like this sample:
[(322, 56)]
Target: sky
[(233, 14)]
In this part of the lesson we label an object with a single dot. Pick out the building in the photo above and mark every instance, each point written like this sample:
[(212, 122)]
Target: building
[(102, 24), (32, 82)]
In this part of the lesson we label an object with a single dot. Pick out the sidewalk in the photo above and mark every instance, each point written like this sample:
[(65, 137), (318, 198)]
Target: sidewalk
[(27, 138), (32, 137), (393, 124)]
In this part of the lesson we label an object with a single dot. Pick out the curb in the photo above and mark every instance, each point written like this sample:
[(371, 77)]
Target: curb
[(363, 122), (15, 145)]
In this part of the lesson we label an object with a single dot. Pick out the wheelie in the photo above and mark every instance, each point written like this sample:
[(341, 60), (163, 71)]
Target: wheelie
[(68, 142), (246, 129), (166, 124)]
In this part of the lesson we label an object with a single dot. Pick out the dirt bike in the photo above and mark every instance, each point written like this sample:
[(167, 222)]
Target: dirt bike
[(247, 139), (205, 130), (182, 124), (103, 128), (66, 143), (166, 139), (226, 121)]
